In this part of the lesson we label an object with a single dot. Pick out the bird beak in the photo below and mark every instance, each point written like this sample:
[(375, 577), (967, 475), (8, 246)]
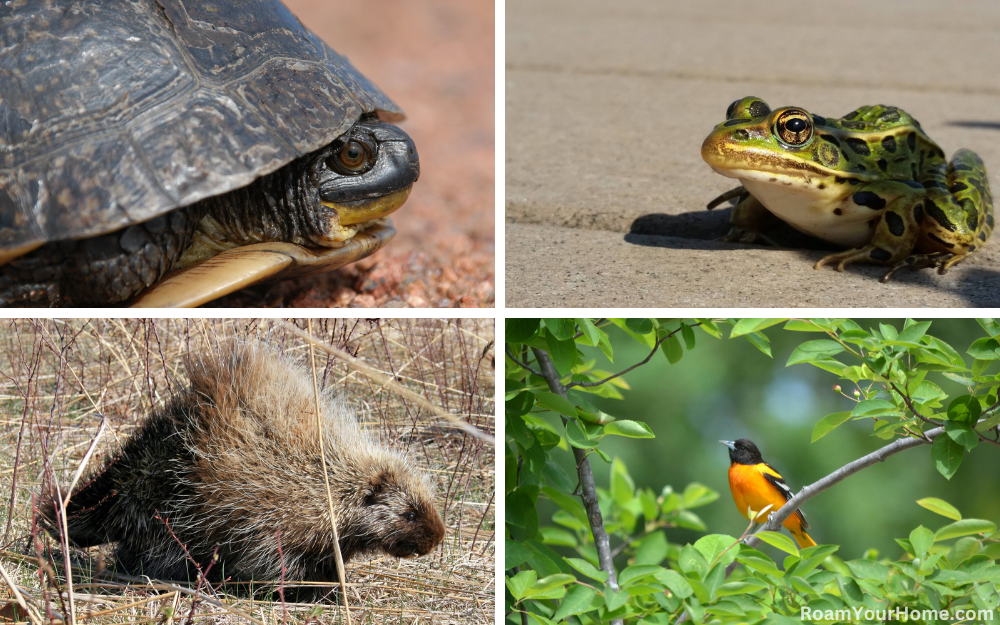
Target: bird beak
[(729, 444)]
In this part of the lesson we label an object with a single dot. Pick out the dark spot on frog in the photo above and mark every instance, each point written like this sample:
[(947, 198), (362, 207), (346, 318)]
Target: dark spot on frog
[(889, 143), (941, 241), (918, 213), (758, 109), (895, 223), (869, 199), (851, 115), (819, 121), (882, 164), (735, 122), (873, 222), (913, 169), (838, 211), (741, 135), (831, 139), (911, 141), (982, 236), (859, 146), (880, 255), (934, 184), (732, 107), (961, 167), (935, 211), (891, 114), (854, 125), (971, 248), (860, 167), (958, 186), (989, 220), (821, 185), (913, 184)]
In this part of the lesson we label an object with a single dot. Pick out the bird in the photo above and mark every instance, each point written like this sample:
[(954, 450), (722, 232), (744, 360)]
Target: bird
[(756, 485)]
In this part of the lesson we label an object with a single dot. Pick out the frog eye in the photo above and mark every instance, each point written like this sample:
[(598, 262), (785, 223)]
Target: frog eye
[(793, 128), (746, 108)]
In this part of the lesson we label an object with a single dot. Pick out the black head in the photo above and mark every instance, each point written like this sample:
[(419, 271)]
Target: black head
[(743, 451)]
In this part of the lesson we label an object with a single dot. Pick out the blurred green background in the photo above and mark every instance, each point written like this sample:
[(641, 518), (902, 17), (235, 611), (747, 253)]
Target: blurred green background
[(728, 389)]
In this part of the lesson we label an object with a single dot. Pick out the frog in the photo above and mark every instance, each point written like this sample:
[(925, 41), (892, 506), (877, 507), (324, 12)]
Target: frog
[(871, 183)]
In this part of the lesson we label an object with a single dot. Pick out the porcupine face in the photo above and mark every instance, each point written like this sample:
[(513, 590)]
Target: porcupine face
[(401, 512)]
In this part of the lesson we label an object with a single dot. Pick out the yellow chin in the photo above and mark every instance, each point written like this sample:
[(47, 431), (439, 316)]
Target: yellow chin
[(379, 207)]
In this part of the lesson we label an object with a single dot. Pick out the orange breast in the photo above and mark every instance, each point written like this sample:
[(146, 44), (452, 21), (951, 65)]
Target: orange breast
[(751, 489)]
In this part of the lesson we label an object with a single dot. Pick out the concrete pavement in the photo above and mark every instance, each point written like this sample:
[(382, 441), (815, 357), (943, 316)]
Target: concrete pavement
[(607, 105)]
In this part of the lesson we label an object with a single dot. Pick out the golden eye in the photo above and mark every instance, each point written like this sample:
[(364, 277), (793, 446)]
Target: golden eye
[(794, 127), (353, 156)]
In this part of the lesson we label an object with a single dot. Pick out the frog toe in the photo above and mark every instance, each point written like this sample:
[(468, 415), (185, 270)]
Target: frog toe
[(843, 259)]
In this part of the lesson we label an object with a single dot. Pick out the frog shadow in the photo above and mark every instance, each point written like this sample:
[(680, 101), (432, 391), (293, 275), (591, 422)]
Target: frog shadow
[(702, 230)]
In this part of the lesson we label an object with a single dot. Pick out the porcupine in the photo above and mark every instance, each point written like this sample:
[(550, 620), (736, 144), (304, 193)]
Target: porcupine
[(234, 458)]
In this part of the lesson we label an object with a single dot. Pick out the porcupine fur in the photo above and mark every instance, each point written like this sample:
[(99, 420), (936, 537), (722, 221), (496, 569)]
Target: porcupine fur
[(235, 458)]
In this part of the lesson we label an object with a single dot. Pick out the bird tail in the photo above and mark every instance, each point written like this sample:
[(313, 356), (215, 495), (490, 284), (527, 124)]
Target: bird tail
[(804, 540)]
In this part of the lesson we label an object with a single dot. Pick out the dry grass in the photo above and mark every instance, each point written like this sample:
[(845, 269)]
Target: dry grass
[(59, 377)]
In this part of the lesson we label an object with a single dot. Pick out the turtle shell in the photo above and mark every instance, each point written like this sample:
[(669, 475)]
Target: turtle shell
[(115, 111)]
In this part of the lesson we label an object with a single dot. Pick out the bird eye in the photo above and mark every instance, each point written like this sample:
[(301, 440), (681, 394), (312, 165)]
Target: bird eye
[(794, 128), (353, 158)]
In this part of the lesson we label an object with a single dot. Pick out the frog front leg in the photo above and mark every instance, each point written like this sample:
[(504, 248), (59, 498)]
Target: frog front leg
[(748, 220), (897, 229)]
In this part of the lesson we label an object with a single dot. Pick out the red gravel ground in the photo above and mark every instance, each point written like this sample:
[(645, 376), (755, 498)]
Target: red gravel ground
[(435, 58)]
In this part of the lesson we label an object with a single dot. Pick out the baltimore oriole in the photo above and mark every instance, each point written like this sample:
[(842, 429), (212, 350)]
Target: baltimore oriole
[(756, 485)]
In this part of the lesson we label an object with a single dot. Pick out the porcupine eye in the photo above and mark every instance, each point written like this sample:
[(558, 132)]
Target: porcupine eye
[(410, 516)]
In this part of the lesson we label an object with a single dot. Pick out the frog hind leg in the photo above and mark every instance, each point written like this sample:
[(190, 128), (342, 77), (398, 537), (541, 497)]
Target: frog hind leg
[(895, 233), (966, 196)]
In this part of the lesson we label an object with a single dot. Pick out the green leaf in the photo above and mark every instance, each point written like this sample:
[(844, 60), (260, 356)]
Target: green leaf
[(587, 569), (547, 584), (718, 549), (964, 409), (961, 433), (964, 528), (747, 326), (761, 342), (676, 582), (639, 326), (562, 353), (921, 540), (991, 326), (520, 330), (576, 601), (941, 507), (912, 334), (567, 503), (697, 495), (985, 349), (589, 330), (631, 429), (672, 349), (947, 455), (556, 403), (520, 583), (828, 423), (633, 573), (562, 329), (875, 408), (779, 541), (576, 436), (614, 599), (688, 333), (514, 553), (621, 485), (814, 350)]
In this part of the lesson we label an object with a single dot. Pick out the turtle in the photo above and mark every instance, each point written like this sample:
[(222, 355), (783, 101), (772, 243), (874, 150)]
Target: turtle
[(166, 152)]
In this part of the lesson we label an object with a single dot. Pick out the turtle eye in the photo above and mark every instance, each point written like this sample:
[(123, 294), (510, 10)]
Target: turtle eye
[(353, 158), (794, 128)]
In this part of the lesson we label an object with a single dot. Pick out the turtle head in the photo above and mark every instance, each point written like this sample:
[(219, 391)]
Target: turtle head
[(367, 172)]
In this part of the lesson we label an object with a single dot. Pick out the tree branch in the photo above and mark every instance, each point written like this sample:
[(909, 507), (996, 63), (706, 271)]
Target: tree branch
[(638, 364), (587, 486), (808, 492), (506, 348)]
